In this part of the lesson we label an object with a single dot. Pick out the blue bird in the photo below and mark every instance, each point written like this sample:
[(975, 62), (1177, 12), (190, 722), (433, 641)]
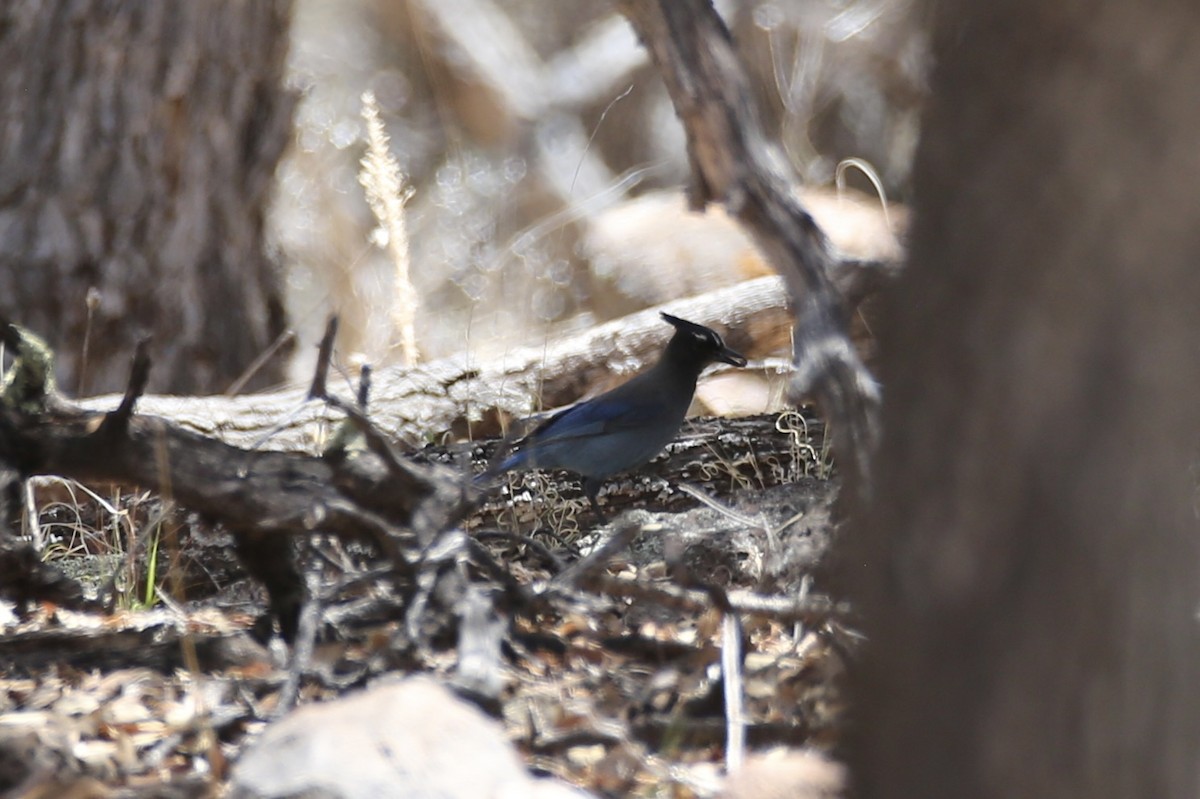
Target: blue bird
[(627, 426)]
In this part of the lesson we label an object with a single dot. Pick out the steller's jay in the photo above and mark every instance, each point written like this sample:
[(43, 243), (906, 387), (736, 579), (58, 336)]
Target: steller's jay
[(629, 425)]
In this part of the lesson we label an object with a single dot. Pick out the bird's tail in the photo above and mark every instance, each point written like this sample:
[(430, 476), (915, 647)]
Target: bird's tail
[(516, 460)]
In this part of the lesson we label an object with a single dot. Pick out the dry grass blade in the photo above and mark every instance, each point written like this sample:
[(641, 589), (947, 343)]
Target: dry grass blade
[(387, 194), (865, 167)]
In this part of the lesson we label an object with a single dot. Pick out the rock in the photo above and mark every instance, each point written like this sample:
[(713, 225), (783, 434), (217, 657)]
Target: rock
[(411, 738)]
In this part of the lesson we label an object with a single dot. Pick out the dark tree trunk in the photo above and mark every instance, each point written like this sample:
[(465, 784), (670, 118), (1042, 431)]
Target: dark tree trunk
[(137, 147), (1030, 569)]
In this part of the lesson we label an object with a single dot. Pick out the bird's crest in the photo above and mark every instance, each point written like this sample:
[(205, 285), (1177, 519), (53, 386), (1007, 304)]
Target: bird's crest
[(706, 340)]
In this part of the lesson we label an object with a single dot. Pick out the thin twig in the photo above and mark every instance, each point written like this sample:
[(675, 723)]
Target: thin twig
[(317, 389), (303, 646), (621, 538), (555, 562), (264, 357), (364, 386), (116, 422)]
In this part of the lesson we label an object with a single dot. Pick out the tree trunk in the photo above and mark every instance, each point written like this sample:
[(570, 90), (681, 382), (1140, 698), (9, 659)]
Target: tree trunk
[(1029, 569), (138, 147)]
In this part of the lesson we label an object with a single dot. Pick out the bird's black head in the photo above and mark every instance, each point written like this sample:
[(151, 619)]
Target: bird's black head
[(697, 346)]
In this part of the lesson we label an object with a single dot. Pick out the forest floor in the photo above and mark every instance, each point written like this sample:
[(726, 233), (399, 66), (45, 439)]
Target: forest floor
[(600, 660)]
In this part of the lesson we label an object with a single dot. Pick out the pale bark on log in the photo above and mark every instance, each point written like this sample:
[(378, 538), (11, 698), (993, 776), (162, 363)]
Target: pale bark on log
[(413, 404), (470, 398)]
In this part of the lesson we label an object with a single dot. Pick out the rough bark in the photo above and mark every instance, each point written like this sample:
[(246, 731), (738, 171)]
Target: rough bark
[(137, 151), (1030, 570)]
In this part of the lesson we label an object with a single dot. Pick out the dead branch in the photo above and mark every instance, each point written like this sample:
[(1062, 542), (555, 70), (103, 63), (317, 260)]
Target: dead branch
[(262, 496), (368, 491), (809, 610), (733, 163)]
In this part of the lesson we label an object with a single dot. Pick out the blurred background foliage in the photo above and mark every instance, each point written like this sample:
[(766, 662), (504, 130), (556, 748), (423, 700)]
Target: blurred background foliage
[(548, 166)]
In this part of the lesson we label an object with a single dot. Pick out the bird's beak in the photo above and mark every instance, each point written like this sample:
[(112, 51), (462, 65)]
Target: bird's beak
[(730, 357)]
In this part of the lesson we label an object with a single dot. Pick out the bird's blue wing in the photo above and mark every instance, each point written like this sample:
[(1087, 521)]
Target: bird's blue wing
[(587, 419), (578, 424)]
